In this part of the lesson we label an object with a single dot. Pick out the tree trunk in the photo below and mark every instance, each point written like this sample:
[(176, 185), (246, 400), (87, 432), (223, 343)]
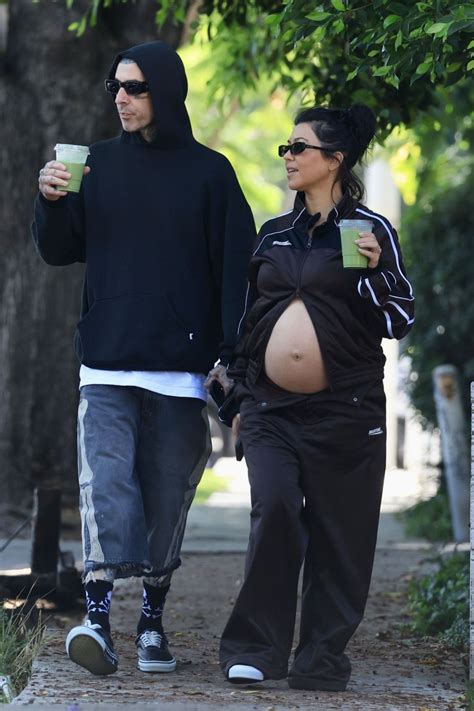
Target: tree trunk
[(51, 90)]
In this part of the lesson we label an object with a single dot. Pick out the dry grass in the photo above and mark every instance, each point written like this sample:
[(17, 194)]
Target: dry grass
[(21, 634)]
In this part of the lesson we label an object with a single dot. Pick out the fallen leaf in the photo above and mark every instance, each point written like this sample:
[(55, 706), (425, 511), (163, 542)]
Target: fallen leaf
[(430, 661), (249, 692), (193, 693)]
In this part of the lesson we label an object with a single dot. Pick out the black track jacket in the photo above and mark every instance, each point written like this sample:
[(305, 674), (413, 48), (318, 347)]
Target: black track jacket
[(351, 309), (166, 235)]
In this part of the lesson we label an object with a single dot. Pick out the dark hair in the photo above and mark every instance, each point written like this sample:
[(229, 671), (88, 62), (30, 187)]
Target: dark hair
[(349, 131)]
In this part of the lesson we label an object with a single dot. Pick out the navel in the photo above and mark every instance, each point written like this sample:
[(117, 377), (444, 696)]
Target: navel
[(297, 355)]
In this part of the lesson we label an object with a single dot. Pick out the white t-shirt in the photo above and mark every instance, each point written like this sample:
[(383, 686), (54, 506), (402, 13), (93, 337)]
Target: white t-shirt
[(165, 382)]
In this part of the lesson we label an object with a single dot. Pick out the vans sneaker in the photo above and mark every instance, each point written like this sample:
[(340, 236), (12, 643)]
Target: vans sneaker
[(153, 652), (91, 647)]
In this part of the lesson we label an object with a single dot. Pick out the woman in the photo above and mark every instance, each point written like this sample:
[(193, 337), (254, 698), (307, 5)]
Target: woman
[(308, 382)]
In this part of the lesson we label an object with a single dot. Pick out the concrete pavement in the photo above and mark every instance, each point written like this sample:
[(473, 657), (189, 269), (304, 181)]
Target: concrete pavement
[(390, 672)]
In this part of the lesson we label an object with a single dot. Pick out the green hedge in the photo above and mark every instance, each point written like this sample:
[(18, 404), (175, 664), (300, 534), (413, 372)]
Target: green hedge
[(439, 603), (439, 250)]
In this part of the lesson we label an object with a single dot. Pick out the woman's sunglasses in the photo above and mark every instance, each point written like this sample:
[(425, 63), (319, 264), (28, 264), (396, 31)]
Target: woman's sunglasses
[(132, 87), (298, 147)]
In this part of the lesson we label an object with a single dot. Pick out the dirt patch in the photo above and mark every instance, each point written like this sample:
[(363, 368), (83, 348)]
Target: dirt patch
[(390, 669)]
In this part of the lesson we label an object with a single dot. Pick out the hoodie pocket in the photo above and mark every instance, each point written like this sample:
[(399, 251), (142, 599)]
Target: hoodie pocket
[(134, 331)]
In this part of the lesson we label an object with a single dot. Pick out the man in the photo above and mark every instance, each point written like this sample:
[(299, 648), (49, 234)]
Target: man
[(166, 235)]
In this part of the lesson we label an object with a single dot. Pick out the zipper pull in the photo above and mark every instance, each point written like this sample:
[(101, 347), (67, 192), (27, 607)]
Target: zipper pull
[(310, 241)]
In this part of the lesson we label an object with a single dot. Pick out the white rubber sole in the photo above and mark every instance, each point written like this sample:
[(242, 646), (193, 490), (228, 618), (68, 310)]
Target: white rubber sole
[(160, 667), (244, 674), (86, 648)]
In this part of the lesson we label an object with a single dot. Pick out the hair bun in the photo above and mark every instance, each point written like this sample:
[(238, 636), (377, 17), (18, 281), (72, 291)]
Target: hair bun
[(363, 123)]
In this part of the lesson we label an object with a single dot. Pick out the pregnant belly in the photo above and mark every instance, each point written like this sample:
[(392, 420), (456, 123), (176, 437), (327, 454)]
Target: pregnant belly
[(293, 358)]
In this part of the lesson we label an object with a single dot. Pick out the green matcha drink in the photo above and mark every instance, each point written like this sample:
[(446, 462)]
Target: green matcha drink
[(350, 230), (76, 170), (74, 158)]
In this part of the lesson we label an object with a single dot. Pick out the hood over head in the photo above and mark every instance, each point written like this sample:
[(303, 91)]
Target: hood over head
[(164, 72)]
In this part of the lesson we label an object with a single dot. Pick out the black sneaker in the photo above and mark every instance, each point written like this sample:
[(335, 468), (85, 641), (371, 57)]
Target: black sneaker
[(153, 652), (90, 646)]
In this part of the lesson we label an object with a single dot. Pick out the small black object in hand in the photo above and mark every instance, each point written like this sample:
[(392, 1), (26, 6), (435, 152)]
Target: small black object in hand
[(217, 393), (239, 450)]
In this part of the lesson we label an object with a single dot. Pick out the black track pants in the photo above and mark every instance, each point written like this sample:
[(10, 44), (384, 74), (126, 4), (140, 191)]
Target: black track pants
[(316, 470)]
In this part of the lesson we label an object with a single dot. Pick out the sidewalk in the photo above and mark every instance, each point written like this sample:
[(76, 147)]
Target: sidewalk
[(390, 670)]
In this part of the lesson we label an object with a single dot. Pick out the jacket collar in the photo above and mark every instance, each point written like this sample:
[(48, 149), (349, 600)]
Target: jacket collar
[(343, 209)]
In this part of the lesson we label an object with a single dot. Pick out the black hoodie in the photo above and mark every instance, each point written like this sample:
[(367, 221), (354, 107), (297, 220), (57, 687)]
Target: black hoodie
[(166, 235)]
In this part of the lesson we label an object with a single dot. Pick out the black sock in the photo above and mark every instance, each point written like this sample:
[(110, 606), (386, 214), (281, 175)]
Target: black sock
[(152, 608), (98, 599)]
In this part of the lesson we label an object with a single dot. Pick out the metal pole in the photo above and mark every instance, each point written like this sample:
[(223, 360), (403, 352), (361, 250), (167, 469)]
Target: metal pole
[(454, 445), (46, 531), (471, 576)]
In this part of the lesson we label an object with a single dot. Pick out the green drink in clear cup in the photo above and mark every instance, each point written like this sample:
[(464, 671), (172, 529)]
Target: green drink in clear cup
[(74, 158), (350, 230)]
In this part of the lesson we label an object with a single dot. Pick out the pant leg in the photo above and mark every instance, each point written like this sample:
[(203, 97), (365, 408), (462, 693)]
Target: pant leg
[(173, 448), (261, 626), (113, 530), (344, 449)]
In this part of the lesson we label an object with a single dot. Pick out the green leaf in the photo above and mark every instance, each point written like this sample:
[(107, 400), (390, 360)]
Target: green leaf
[(338, 5), (390, 20), (461, 25), (396, 8), (272, 19), (318, 16), (438, 28), (463, 11), (394, 81), (73, 26), (287, 35), (352, 75), (381, 71), (399, 39), (470, 65), (82, 26), (94, 12), (422, 68)]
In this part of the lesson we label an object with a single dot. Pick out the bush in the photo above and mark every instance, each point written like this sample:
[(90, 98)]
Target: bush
[(439, 603), (430, 519)]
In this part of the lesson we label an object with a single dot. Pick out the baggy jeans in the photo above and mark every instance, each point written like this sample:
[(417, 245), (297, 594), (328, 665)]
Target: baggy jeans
[(316, 470), (141, 456)]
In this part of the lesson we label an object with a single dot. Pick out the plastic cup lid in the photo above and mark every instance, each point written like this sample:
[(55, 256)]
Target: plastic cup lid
[(357, 221), (354, 221), (70, 148)]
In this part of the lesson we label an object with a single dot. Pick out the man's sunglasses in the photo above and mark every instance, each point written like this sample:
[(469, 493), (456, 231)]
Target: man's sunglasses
[(297, 147), (132, 87)]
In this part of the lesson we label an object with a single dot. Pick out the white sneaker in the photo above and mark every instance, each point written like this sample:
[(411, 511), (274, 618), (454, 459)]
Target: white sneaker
[(244, 674)]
